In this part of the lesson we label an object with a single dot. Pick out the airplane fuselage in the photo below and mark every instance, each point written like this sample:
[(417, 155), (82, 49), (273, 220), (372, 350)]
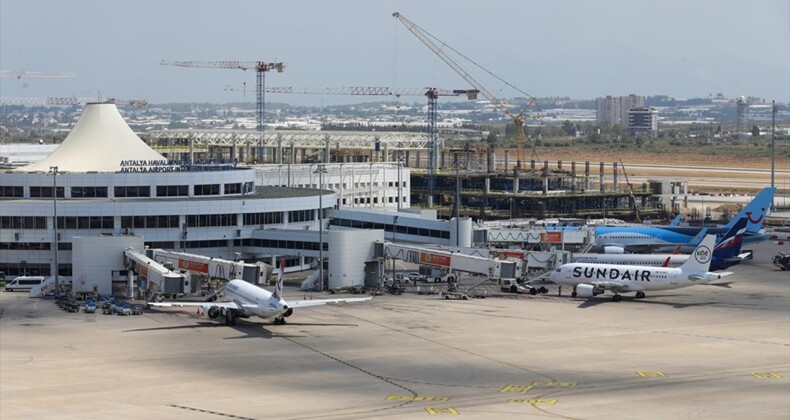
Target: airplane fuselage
[(632, 277), (266, 305)]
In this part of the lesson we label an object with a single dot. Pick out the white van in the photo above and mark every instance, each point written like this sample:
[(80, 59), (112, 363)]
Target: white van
[(23, 283)]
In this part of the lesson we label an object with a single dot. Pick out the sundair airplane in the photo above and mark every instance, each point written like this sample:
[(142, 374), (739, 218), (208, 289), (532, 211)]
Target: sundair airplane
[(243, 299), (590, 280)]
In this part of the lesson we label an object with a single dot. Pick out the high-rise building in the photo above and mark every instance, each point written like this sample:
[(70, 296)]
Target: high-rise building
[(643, 120), (742, 109), (614, 109)]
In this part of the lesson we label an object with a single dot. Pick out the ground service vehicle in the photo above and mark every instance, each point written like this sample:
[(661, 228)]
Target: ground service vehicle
[(782, 261), (23, 283)]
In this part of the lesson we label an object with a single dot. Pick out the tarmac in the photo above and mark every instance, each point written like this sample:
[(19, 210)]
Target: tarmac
[(717, 351)]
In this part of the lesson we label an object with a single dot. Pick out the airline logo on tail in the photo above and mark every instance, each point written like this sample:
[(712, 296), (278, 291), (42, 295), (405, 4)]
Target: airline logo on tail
[(759, 219), (278, 288), (702, 254)]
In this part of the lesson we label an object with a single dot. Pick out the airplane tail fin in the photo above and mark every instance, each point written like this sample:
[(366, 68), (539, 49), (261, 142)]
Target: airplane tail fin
[(730, 244), (756, 210), (699, 261), (676, 221), (698, 239), (278, 287)]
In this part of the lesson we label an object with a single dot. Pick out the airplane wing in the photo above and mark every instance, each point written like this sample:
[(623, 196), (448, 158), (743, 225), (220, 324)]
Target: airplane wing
[(316, 302), (617, 286), (228, 305)]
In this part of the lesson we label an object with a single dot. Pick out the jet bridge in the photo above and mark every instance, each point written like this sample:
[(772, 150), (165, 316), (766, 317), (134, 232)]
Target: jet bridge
[(492, 268), (154, 278), (215, 268)]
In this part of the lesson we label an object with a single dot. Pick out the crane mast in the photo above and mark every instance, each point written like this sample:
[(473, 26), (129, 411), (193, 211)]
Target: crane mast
[(260, 67), (518, 120)]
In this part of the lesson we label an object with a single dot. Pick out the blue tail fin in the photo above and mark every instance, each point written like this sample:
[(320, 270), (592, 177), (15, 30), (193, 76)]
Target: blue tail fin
[(755, 211), (698, 239), (729, 245), (676, 221)]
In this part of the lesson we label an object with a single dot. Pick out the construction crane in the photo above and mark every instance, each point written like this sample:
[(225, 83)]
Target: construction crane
[(432, 94), (61, 101), (518, 119), (28, 74), (260, 67)]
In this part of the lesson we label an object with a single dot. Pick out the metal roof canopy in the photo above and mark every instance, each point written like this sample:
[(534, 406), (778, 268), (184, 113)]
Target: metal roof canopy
[(301, 139)]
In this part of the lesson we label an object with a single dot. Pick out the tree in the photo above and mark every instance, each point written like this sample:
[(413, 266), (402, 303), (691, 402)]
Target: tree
[(492, 135), (569, 128), (755, 131)]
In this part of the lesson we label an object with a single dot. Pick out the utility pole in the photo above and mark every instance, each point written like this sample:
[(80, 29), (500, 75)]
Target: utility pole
[(773, 140)]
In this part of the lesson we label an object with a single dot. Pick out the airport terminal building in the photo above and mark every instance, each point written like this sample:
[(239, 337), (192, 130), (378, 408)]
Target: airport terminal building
[(104, 181)]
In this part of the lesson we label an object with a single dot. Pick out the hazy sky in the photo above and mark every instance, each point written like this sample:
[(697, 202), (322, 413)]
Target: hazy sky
[(576, 48)]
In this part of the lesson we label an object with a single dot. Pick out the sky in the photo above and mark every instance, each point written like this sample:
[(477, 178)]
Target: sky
[(577, 48)]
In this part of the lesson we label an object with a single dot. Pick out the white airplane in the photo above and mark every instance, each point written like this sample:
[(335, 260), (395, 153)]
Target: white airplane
[(243, 299), (590, 280)]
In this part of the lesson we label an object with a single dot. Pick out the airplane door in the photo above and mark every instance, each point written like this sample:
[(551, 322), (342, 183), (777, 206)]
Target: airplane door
[(673, 278)]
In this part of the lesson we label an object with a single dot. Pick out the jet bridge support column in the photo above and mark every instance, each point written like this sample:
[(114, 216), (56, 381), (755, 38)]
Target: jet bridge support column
[(601, 176), (587, 175), (573, 176)]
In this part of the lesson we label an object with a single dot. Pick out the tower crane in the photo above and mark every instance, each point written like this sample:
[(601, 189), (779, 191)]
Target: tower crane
[(518, 119), (60, 101), (28, 74), (261, 67), (432, 94)]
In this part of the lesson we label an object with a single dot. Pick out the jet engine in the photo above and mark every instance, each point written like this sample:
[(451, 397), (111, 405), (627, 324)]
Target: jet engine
[(613, 250), (587, 290), (213, 312)]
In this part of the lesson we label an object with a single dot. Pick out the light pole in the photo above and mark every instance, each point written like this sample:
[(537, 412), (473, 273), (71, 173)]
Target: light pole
[(54, 170), (400, 181), (321, 169), (457, 204)]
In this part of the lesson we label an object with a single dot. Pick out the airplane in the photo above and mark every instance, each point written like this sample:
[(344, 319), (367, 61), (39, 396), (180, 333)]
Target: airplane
[(243, 299), (617, 239), (590, 280), (726, 253)]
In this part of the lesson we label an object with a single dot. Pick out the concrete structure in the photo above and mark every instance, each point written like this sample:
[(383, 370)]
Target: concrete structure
[(358, 265), (99, 261)]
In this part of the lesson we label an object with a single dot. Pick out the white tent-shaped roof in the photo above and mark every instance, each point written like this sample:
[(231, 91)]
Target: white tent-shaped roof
[(99, 142)]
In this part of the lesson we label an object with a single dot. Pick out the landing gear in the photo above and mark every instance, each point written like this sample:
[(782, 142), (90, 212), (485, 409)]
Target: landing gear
[(640, 295), (543, 290), (279, 321), (573, 294), (617, 298), (533, 291), (230, 319)]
